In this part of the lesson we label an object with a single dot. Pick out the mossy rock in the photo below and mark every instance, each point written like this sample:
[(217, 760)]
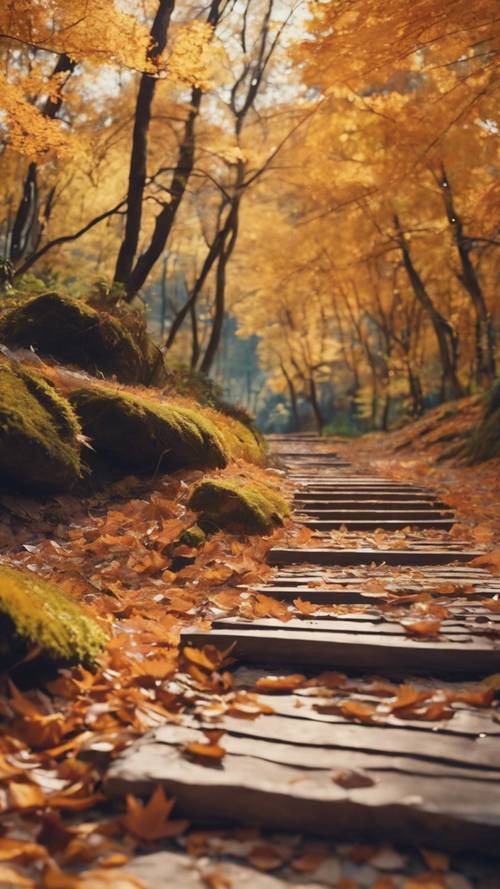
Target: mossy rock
[(484, 442), (147, 435), (37, 614), (248, 506), (193, 536), (71, 331), (39, 445), (244, 442)]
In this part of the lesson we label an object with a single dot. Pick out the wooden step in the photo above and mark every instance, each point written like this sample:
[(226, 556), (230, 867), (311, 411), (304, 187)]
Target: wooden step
[(384, 524), (324, 556), (393, 654), (288, 770), (356, 514)]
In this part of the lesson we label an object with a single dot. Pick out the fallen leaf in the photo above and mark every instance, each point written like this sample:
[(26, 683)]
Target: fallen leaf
[(488, 560), (20, 851), (422, 628), (280, 683), (25, 796), (150, 821), (351, 779), (408, 696), (357, 710), (265, 858), (308, 862), (11, 878), (212, 752), (436, 861)]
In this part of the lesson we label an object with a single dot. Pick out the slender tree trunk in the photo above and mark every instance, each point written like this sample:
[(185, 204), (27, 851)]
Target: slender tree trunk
[(163, 295), (210, 259), (24, 235), (133, 276), (139, 153), (313, 396), (166, 218), (446, 340), (295, 424), (195, 340), (485, 333), (220, 290)]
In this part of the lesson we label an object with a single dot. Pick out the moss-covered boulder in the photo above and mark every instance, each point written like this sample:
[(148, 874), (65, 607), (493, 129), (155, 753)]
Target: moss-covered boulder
[(193, 536), (35, 614), (39, 445), (73, 332), (147, 435), (484, 442), (248, 506)]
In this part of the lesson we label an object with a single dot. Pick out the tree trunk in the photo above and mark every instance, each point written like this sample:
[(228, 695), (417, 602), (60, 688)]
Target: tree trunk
[(220, 289), (138, 155), (446, 340), (26, 218), (165, 219), (313, 395), (295, 424), (485, 333), (210, 259)]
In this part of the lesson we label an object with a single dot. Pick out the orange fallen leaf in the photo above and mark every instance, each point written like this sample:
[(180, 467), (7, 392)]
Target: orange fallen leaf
[(305, 607), (308, 862), (350, 779), (425, 881), (7, 770), (280, 683), (20, 851), (76, 803), (150, 821), (477, 697), (357, 710), (408, 696), (436, 861), (116, 859), (488, 560), (422, 628), (265, 858), (25, 796), (11, 877), (492, 605), (212, 752), (54, 878)]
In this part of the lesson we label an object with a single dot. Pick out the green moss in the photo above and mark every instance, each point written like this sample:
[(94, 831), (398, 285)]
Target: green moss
[(484, 442), (243, 442), (37, 614), (73, 332), (38, 441), (252, 507), (147, 435), (193, 536)]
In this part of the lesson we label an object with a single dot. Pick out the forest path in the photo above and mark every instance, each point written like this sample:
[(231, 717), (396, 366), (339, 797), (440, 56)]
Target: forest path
[(384, 592)]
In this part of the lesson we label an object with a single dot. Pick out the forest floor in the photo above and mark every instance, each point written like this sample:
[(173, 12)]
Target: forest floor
[(58, 829)]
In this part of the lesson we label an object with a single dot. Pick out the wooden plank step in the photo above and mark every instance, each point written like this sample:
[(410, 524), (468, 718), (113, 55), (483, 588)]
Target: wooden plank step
[(311, 453), (326, 502), (385, 524), (375, 480), (458, 625), (325, 596), (290, 784), (391, 655), (323, 556), (352, 496), (338, 485), (357, 514)]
